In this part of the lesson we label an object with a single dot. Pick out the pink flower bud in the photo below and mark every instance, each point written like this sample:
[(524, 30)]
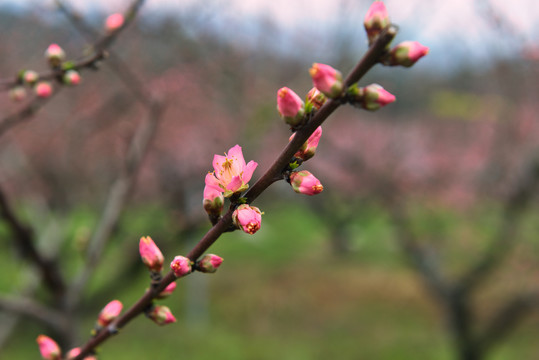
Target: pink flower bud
[(308, 149), (30, 77), (248, 218), (180, 266), (303, 182), (48, 348), (376, 20), (375, 96), (326, 79), (168, 291), (407, 53), (150, 254), (114, 22), (315, 98), (71, 77), (17, 93), (43, 89), (109, 313), (209, 263), (75, 352), (213, 199), (55, 55), (290, 106), (231, 174), (161, 315)]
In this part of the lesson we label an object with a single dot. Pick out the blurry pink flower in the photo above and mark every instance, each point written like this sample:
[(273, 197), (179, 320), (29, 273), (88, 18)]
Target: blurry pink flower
[(43, 89), (73, 353), (213, 199), (304, 182), (326, 79), (290, 106), (248, 218), (30, 77), (308, 149), (167, 291), (71, 77), (180, 266), (231, 174), (55, 55), (407, 53), (375, 97), (316, 98), (114, 22), (17, 93), (161, 315), (209, 263), (48, 348), (109, 313), (150, 254), (376, 20)]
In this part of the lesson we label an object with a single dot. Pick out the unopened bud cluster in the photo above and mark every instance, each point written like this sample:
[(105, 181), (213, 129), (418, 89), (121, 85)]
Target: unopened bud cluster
[(43, 88)]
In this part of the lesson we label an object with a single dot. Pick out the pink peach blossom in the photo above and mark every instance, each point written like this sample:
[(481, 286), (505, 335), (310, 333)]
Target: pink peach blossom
[(109, 313), (248, 218), (213, 199), (316, 98), (48, 348), (230, 174), (55, 54), (30, 77), (71, 77), (114, 22), (75, 352), (376, 19), (303, 182), (43, 89), (150, 254), (17, 93), (167, 291), (375, 97), (308, 149), (180, 266), (209, 263), (407, 53), (290, 106), (326, 79), (161, 315)]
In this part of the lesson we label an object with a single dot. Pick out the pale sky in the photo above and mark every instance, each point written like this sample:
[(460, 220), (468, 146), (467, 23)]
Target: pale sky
[(440, 24)]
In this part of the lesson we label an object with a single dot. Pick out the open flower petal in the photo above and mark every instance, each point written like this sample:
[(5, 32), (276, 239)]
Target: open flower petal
[(248, 171), (234, 184), (231, 174)]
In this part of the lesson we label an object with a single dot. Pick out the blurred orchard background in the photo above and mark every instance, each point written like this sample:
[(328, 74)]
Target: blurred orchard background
[(423, 245)]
